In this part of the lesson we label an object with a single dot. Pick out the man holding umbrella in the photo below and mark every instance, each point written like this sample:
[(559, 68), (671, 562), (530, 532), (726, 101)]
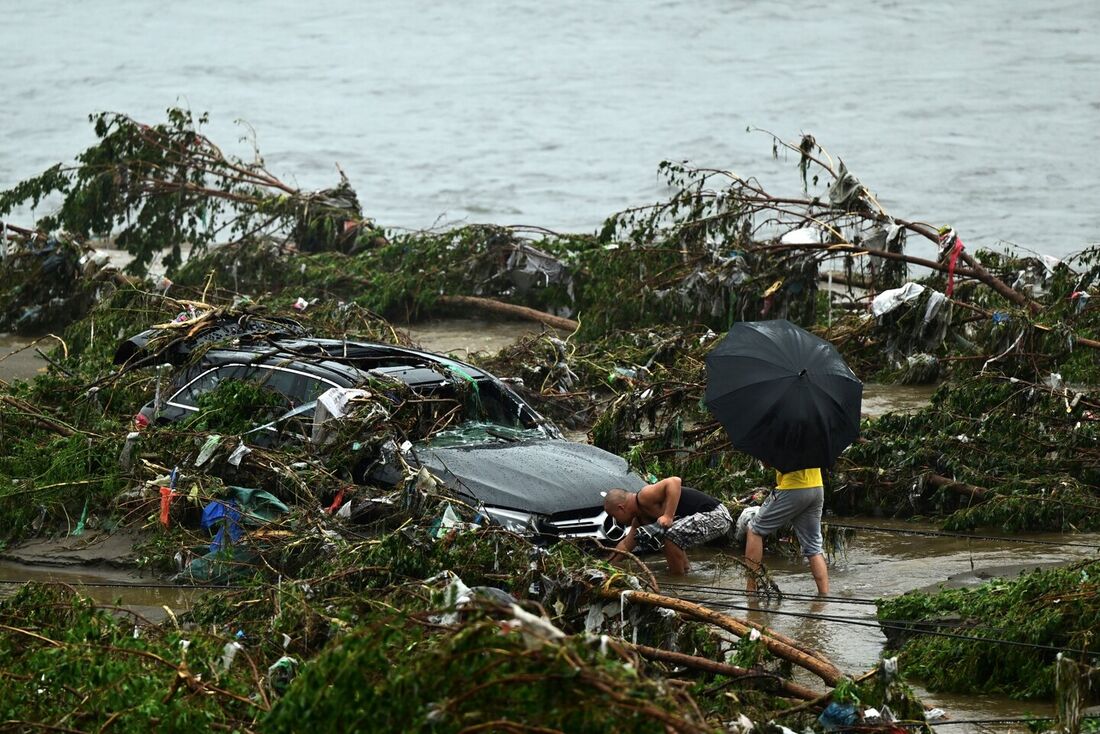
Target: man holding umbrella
[(787, 398)]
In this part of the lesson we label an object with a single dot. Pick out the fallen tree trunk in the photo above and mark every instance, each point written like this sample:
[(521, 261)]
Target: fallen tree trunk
[(509, 309), (778, 645), (967, 490), (713, 666)]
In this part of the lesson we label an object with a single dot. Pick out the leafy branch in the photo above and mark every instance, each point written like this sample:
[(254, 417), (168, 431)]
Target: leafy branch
[(161, 187)]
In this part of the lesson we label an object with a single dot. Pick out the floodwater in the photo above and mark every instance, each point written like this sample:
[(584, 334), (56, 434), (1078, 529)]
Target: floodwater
[(18, 360), (876, 563), (148, 596), (977, 114)]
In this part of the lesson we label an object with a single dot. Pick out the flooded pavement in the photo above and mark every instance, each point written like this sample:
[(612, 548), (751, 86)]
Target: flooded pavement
[(881, 399), (461, 337), (18, 360)]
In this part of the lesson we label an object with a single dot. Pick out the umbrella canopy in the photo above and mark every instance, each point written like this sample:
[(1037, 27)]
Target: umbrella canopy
[(783, 395)]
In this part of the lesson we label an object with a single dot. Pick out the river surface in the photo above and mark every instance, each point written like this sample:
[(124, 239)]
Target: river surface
[(978, 114), (876, 563)]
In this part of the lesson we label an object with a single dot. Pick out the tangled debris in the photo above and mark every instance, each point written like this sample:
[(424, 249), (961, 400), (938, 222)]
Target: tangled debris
[(47, 281), (337, 575)]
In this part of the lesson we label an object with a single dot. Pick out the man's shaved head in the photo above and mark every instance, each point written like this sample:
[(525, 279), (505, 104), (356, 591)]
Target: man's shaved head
[(615, 498)]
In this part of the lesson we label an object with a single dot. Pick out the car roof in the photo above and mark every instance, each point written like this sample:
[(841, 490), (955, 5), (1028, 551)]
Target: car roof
[(348, 362)]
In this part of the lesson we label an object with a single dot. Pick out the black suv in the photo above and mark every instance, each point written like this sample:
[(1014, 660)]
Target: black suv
[(507, 460)]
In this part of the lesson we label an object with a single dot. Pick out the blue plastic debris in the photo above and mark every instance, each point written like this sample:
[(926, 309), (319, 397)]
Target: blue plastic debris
[(838, 716), (226, 517)]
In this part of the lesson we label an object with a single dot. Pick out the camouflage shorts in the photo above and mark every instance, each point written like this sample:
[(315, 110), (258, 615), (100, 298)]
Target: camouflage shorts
[(699, 528)]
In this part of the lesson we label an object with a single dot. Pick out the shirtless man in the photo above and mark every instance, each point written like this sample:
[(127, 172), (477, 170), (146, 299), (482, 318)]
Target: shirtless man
[(690, 517)]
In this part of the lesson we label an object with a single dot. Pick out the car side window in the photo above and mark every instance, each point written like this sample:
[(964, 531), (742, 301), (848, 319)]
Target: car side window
[(189, 395), (297, 387)]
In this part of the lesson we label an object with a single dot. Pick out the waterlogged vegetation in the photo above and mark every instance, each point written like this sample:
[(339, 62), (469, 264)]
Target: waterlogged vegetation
[(388, 620), (1047, 614)]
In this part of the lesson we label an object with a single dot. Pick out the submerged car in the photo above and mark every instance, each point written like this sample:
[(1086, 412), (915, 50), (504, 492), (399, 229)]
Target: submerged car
[(506, 459)]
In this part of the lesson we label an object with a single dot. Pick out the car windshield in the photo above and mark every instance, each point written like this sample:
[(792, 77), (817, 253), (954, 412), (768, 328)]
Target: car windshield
[(481, 433), (483, 402)]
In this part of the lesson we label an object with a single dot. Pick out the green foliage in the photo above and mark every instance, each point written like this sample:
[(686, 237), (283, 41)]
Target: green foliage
[(476, 674), (152, 187), (235, 406), (47, 479), (1052, 609), (91, 341), (1029, 447), (66, 663)]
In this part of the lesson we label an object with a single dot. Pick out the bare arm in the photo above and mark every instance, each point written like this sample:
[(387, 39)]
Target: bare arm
[(670, 486), (628, 543)]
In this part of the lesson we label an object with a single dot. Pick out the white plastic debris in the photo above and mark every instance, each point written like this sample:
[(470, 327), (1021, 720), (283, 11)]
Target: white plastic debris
[(126, 456), (229, 652), (803, 236), (1054, 381), (208, 449), (743, 725), (443, 524), (935, 301), (888, 300), (332, 404), (239, 453), (535, 630)]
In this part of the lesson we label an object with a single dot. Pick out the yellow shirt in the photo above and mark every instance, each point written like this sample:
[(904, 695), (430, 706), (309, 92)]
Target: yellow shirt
[(800, 479)]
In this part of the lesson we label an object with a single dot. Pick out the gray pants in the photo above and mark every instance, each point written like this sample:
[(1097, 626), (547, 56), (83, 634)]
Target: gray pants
[(799, 507)]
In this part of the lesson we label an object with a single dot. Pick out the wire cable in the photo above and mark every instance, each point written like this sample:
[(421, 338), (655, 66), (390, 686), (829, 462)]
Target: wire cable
[(794, 596)]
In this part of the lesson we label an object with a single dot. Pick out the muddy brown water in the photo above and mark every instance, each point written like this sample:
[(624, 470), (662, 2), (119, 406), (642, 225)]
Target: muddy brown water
[(876, 563)]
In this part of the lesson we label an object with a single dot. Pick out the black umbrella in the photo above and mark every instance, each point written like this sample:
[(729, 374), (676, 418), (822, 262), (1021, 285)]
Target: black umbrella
[(783, 395)]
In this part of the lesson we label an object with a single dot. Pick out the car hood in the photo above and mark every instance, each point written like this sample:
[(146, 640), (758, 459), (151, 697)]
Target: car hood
[(544, 476)]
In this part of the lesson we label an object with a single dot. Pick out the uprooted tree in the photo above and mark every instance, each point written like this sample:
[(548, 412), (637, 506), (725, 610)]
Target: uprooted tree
[(167, 186)]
